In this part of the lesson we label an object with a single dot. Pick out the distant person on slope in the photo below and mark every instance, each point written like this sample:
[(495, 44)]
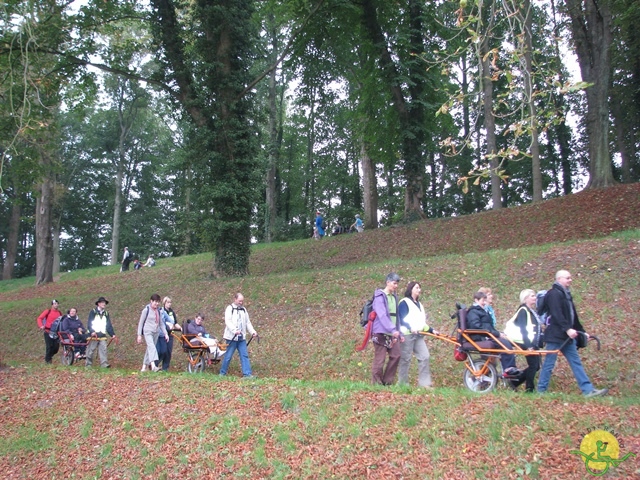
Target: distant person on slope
[(358, 225), (320, 224), (126, 260)]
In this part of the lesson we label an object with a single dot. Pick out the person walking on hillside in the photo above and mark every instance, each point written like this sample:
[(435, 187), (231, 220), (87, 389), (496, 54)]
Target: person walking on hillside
[(237, 324), (126, 260), (564, 324), (150, 327), (385, 332), (171, 322), (523, 329), (45, 319), (413, 320), (99, 326)]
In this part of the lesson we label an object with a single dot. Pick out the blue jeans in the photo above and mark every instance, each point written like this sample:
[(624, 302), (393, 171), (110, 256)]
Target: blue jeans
[(241, 346), (570, 352)]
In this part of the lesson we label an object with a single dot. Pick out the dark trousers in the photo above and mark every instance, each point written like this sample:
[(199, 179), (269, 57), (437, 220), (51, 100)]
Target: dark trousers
[(166, 360), (51, 346), (379, 373), (161, 347), (529, 374)]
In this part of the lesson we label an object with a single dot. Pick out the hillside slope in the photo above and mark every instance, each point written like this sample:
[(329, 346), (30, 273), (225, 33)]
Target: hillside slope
[(587, 214)]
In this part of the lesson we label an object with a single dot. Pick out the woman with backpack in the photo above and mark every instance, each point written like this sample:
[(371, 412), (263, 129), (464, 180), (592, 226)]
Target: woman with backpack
[(150, 327)]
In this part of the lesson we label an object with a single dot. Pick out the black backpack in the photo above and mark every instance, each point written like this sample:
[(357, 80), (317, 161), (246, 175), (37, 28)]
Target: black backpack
[(365, 312)]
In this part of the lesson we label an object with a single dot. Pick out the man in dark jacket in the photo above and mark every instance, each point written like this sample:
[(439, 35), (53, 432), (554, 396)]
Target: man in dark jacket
[(564, 324), (479, 319)]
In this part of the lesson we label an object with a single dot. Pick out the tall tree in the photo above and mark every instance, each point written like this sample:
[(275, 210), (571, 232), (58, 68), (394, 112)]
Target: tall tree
[(591, 28)]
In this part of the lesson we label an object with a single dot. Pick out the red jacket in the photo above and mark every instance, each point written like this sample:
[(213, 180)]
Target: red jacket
[(47, 317)]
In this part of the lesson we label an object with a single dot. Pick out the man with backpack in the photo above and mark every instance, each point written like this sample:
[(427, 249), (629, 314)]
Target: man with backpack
[(564, 324), (386, 332), (237, 324), (45, 320), (99, 326)]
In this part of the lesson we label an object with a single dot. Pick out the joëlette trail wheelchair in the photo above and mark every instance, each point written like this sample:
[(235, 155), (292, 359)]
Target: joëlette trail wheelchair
[(199, 354), (69, 347), (480, 356)]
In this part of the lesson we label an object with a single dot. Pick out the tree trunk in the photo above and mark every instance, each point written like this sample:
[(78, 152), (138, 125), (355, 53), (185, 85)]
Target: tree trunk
[(55, 270), (536, 172), (490, 121), (591, 28), (626, 156), (12, 241), (369, 187), (44, 241), (187, 224), (562, 131), (410, 114), (270, 196), (117, 209)]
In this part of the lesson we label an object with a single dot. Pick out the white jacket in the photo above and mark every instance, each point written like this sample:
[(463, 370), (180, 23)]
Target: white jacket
[(236, 319)]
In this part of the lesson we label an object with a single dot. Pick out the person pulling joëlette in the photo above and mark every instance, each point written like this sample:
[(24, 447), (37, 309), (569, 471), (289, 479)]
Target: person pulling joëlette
[(237, 324), (563, 324), (99, 326), (45, 319)]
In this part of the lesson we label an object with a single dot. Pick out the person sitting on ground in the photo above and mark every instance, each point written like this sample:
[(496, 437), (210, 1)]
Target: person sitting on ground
[(196, 328), (338, 229), (479, 319), (523, 329), (137, 264), (72, 325), (150, 262)]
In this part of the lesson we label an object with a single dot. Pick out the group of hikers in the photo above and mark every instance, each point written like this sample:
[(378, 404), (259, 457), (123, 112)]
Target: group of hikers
[(128, 257), (397, 333), (396, 328), (320, 227), (158, 322)]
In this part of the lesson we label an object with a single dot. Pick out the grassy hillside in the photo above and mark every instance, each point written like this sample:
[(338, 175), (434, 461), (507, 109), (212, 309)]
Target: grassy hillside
[(311, 413)]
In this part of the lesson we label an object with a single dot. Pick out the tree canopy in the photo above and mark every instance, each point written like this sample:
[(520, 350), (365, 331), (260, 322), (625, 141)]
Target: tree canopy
[(177, 127)]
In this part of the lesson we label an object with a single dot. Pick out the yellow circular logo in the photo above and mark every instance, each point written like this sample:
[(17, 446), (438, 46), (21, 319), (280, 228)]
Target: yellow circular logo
[(600, 444), (600, 450)]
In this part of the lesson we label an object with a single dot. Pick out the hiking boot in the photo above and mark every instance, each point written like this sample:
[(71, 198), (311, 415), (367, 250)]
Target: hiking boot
[(597, 393), (511, 372)]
